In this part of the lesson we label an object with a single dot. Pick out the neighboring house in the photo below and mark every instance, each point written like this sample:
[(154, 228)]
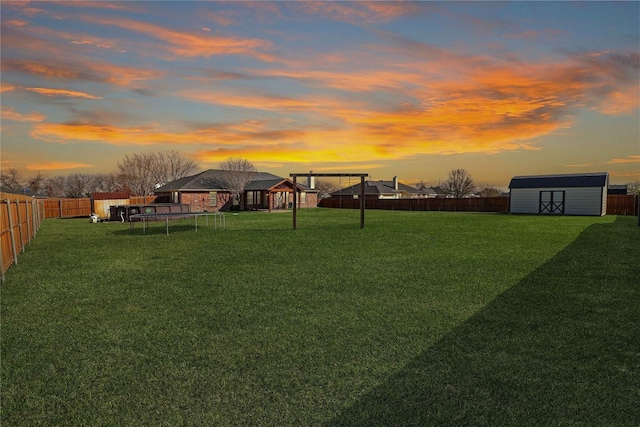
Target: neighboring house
[(207, 191), (436, 191), (617, 189), (570, 194), (383, 190)]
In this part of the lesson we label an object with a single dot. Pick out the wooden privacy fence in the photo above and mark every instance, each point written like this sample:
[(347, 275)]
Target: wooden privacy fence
[(616, 204), (20, 219), (68, 208), (476, 204)]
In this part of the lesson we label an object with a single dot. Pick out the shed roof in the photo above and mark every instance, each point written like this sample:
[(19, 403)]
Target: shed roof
[(598, 179)]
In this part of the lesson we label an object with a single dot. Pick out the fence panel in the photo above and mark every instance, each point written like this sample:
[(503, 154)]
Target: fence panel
[(20, 219), (616, 204), (142, 200), (620, 204), (67, 208), (480, 204)]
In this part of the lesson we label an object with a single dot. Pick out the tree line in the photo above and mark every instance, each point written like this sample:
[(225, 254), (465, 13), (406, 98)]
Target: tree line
[(136, 175)]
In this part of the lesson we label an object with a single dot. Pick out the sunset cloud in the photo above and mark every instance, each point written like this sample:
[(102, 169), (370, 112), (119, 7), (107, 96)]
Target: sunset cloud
[(630, 159), (358, 12), (62, 93), (186, 44), (8, 113), (57, 166), (90, 72)]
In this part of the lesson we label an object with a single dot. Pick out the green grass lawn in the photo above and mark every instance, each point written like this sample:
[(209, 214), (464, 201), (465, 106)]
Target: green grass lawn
[(422, 318)]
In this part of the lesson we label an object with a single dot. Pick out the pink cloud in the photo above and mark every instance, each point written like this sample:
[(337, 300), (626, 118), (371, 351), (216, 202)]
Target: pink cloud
[(8, 113), (62, 93)]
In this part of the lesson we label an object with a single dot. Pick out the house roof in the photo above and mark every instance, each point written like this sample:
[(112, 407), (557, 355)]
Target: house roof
[(213, 180), (378, 188), (598, 179)]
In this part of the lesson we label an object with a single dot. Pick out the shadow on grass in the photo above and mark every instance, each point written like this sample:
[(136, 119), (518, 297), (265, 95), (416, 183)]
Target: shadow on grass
[(562, 347)]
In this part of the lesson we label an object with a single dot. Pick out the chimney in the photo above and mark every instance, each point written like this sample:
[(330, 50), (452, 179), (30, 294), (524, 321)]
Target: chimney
[(395, 183), (312, 181)]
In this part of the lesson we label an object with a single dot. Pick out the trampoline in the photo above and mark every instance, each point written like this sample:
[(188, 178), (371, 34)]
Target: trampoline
[(218, 219)]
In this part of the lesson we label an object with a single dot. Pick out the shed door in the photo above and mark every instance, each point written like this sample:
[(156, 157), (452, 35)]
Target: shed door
[(551, 202)]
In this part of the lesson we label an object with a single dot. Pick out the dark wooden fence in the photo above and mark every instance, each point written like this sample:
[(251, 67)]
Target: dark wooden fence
[(69, 208), (616, 204), (20, 219), (479, 204), (622, 204)]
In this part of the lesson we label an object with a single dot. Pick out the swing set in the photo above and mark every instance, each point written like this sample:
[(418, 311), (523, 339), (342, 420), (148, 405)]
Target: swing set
[(333, 175)]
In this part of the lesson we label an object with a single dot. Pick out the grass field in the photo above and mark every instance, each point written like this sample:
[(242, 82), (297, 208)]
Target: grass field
[(422, 318)]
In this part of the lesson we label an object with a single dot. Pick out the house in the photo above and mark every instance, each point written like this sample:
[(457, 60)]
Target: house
[(382, 190), (208, 191), (568, 194)]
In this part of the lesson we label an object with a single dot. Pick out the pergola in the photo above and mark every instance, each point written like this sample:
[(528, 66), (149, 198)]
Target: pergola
[(333, 175)]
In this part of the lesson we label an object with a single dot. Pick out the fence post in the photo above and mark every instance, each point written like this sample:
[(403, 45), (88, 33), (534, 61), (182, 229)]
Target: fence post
[(26, 210), (20, 226), (12, 233)]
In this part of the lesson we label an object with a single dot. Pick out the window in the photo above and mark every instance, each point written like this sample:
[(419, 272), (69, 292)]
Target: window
[(551, 202), (213, 198)]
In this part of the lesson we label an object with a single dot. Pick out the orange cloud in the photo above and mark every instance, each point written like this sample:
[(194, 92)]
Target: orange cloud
[(62, 92), (358, 12), (8, 113), (7, 88), (268, 102), (57, 166), (93, 72), (194, 44), (630, 159)]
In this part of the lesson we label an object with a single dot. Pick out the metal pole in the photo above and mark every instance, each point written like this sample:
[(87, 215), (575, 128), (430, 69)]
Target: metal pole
[(295, 197), (362, 202)]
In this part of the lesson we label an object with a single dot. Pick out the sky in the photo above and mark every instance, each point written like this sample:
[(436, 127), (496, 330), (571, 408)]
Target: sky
[(406, 89)]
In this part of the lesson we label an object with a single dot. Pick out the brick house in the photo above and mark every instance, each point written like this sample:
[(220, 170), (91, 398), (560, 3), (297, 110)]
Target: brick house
[(206, 191)]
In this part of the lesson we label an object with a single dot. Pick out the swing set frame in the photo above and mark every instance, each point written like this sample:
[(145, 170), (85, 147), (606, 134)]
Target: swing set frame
[(332, 175)]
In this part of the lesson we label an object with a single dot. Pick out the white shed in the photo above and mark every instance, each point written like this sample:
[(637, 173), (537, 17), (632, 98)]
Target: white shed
[(568, 194)]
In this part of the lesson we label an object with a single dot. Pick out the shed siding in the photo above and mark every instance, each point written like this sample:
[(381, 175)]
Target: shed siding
[(577, 200), (583, 201), (525, 200)]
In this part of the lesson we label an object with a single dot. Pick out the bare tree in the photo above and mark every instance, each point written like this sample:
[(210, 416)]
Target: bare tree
[(134, 172), (36, 183), (105, 182), (55, 186), (77, 185), (325, 188), (459, 183), (633, 188), (488, 190), (143, 173), (239, 173), (11, 179), (172, 165)]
